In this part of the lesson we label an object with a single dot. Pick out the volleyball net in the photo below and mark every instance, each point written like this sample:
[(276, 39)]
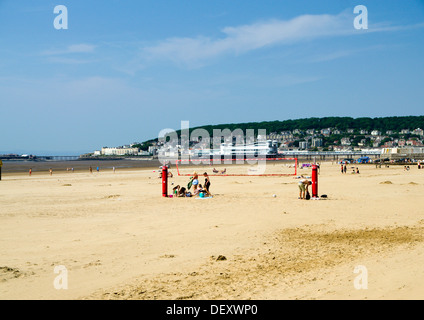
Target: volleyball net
[(238, 167)]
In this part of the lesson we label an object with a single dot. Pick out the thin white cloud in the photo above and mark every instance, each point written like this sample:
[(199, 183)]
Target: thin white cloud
[(245, 38), (68, 60), (241, 39), (75, 48)]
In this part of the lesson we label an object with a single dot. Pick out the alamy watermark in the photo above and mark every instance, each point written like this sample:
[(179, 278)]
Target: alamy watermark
[(361, 20), (361, 281), (61, 20), (224, 146), (61, 281)]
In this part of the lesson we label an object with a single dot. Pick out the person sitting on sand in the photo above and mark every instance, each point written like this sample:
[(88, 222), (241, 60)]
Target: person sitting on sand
[(170, 175), (175, 190), (215, 171), (179, 191), (197, 190), (303, 187), (224, 171)]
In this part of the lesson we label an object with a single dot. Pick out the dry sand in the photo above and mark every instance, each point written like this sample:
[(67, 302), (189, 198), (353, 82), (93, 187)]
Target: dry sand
[(119, 239)]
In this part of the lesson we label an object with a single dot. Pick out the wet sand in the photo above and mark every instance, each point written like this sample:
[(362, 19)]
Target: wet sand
[(78, 165)]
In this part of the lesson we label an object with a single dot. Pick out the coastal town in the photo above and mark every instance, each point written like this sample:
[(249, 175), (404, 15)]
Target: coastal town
[(405, 143), (310, 141)]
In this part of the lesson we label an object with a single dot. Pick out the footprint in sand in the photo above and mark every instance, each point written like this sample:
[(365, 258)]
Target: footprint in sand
[(7, 273), (112, 196)]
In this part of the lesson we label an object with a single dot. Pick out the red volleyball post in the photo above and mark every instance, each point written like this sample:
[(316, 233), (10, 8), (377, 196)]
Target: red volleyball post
[(315, 181), (164, 181)]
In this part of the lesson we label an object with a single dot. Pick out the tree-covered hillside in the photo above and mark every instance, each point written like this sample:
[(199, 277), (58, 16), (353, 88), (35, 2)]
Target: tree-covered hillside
[(395, 124)]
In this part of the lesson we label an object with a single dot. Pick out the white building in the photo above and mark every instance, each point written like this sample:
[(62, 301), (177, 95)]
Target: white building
[(267, 147), (119, 151), (303, 145), (418, 131), (317, 142), (345, 142)]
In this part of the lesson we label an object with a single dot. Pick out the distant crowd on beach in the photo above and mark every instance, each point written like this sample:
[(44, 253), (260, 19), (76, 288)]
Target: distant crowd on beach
[(90, 169), (343, 169)]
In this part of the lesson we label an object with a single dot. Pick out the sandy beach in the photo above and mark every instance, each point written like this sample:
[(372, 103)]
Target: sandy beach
[(118, 238)]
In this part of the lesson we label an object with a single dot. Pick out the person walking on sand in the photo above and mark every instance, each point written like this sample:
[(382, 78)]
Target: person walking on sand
[(345, 168), (91, 169), (303, 187), (341, 168), (51, 171)]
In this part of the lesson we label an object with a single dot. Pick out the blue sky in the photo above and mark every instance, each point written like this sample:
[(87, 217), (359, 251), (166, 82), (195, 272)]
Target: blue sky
[(125, 70)]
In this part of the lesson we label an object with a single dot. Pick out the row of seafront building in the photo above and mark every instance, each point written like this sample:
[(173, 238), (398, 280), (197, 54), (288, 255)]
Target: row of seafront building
[(267, 148)]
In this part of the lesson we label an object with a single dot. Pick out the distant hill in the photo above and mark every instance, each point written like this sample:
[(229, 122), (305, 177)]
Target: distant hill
[(342, 123)]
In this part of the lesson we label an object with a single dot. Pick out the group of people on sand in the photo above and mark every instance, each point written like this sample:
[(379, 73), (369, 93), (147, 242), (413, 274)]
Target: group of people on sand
[(198, 189), (343, 169), (50, 171)]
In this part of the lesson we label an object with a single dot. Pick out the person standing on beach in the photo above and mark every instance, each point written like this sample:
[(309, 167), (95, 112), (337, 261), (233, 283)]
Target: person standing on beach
[(51, 171), (341, 168), (98, 169), (207, 184), (91, 169), (113, 169), (303, 187), (30, 171), (194, 181), (345, 168)]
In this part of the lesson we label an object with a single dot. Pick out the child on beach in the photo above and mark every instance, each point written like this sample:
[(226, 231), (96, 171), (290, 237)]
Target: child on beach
[(179, 191)]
